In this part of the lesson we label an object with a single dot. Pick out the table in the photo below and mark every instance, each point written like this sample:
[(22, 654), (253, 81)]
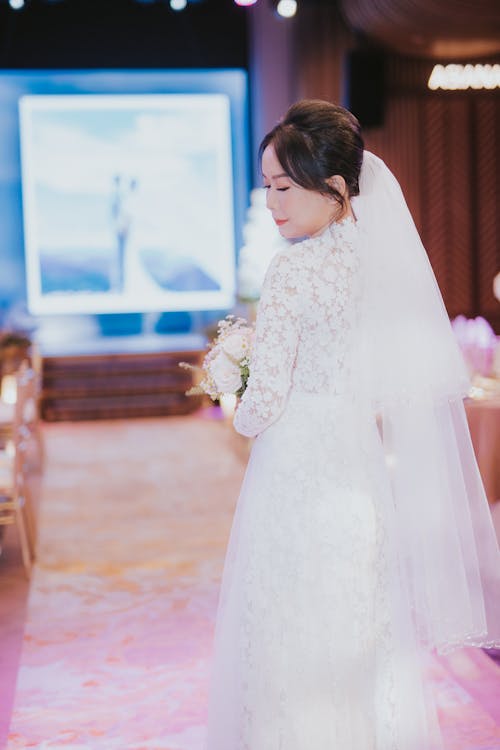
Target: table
[(483, 415)]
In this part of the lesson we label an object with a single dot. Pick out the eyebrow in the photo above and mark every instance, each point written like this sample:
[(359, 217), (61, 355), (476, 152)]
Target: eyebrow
[(275, 176)]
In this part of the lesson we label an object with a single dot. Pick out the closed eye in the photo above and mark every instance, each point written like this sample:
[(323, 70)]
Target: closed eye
[(280, 190)]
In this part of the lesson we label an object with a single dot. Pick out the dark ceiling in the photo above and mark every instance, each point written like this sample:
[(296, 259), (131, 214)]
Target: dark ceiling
[(122, 34), (439, 29), (214, 33)]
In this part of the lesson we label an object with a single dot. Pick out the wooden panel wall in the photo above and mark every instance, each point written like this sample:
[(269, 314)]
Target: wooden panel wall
[(444, 148), (487, 136)]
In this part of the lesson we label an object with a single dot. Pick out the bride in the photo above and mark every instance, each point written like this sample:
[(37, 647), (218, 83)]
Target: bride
[(362, 538)]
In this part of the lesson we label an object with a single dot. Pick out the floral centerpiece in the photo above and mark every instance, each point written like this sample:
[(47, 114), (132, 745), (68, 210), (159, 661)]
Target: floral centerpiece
[(261, 241), (226, 365)]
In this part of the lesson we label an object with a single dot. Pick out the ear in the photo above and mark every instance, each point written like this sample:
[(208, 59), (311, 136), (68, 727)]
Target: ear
[(337, 182)]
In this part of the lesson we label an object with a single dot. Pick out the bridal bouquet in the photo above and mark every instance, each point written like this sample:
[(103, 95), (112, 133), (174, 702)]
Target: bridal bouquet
[(225, 368)]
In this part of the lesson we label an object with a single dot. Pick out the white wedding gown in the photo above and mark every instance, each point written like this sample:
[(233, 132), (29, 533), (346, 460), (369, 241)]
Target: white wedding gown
[(304, 656)]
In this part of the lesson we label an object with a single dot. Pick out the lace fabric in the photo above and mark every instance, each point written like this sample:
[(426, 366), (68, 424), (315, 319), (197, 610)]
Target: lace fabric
[(304, 327), (304, 654)]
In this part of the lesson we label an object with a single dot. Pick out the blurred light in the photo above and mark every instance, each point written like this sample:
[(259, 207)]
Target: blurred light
[(453, 77), (496, 291), (178, 4), (8, 392), (10, 448), (245, 2), (287, 8), (16, 4)]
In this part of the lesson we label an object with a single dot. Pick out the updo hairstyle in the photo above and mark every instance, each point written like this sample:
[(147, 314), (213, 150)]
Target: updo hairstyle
[(316, 140)]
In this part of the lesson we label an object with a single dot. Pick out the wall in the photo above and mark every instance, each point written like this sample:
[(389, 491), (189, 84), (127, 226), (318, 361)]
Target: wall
[(271, 61), (445, 149)]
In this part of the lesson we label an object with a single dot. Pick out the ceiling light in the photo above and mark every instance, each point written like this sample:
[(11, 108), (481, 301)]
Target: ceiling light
[(286, 8)]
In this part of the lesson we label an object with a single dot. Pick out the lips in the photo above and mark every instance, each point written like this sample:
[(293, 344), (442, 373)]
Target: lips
[(280, 222)]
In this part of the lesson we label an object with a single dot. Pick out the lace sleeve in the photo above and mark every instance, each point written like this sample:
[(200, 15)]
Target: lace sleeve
[(273, 352)]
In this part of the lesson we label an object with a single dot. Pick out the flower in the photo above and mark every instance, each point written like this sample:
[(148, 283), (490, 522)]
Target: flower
[(237, 345), (225, 373), (225, 369)]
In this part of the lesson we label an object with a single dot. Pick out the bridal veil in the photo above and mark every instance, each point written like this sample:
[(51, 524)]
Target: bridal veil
[(441, 545)]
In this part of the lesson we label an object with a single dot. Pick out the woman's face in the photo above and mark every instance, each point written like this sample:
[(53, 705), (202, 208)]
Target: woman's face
[(298, 212)]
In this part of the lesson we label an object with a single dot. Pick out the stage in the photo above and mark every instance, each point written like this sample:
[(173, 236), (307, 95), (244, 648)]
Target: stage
[(84, 378)]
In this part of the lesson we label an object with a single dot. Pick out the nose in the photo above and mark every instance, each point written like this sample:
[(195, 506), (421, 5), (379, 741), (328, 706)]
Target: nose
[(270, 202)]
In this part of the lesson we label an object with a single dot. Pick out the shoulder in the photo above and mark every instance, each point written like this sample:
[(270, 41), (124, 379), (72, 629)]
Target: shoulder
[(286, 262), (284, 271), (284, 277)]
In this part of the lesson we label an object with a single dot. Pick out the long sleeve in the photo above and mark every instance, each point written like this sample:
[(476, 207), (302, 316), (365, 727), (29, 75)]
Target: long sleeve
[(274, 349)]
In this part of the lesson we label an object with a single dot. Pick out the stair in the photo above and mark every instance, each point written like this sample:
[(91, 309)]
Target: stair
[(106, 385)]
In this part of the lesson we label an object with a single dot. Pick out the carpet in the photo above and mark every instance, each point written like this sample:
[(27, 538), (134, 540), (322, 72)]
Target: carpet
[(134, 521)]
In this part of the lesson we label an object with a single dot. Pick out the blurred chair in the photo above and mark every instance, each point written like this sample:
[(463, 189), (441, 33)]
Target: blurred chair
[(17, 463), (14, 507), (8, 396), (19, 404), (27, 414)]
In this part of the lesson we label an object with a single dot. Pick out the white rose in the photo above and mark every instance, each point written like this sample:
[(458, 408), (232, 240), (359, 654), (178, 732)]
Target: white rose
[(225, 374), (237, 344)]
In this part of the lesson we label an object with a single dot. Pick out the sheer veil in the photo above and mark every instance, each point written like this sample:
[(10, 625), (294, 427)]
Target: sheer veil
[(440, 542)]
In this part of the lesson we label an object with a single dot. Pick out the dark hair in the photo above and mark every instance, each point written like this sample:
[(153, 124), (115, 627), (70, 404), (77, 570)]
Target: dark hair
[(316, 140)]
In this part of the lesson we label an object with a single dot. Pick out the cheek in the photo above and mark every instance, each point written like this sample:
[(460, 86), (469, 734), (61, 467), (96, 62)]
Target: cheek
[(287, 202)]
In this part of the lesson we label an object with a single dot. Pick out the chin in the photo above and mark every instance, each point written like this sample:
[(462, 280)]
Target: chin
[(288, 233)]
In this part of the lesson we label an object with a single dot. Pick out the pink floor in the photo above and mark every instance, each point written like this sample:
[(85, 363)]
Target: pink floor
[(134, 518)]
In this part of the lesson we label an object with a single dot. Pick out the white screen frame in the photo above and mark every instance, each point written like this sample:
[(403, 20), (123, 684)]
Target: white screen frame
[(218, 105)]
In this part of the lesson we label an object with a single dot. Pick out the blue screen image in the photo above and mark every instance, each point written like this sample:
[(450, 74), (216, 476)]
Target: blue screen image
[(121, 191)]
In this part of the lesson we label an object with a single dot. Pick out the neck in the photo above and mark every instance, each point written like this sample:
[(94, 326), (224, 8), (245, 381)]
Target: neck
[(345, 213)]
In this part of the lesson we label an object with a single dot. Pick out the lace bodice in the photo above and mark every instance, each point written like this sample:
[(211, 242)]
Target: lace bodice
[(304, 326)]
